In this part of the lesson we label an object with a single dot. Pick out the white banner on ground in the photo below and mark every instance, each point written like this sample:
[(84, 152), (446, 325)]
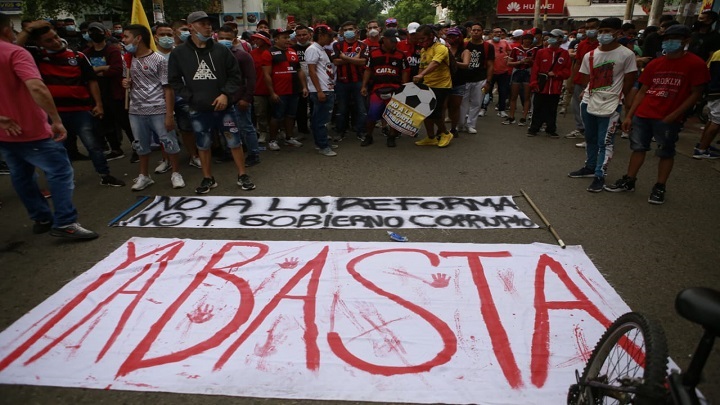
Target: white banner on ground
[(417, 322), (499, 212)]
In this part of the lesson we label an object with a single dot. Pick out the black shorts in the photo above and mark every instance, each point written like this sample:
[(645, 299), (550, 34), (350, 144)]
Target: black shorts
[(441, 96)]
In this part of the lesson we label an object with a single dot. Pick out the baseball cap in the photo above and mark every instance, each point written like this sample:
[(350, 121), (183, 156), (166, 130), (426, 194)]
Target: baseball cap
[(454, 31), (557, 33), (196, 16), (391, 34), (412, 27), (678, 29), (282, 32), (391, 21), (96, 25), (262, 35), (517, 33), (323, 28), (263, 22)]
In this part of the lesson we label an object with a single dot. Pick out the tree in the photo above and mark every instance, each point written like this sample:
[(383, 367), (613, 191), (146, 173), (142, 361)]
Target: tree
[(474, 10), (332, 12), (119, 9), (407, 11)]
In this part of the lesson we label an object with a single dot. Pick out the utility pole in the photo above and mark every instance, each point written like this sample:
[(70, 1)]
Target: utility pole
[(158, 13), (656, 11), (536, 21), (629, 7), (683, 11)]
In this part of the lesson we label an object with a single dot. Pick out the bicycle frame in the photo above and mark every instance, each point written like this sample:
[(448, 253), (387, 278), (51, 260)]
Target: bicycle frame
[(683, 385)]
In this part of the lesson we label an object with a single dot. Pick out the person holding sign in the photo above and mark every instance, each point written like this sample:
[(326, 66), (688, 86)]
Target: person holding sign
[(435, 73), (387, 69)]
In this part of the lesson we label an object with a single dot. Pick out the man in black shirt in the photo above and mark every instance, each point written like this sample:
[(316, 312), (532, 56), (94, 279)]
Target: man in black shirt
[(705, 41)]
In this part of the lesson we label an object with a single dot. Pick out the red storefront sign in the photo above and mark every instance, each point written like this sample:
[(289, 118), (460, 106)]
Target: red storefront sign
[(527, 7)]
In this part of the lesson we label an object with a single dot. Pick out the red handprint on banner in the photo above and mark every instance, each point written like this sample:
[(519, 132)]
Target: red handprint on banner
[(440, 280), (289, 263), (201, 314)]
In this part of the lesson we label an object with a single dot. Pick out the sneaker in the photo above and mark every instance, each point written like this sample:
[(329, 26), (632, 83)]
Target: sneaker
[(293, 142), (177, 180), (522, 122), (624, 135), (455, 133), (142, 182), (581, 145), (462, 128), (502, 114), (45, 193), (562, 111), (597, 185), (252, 160), (111, 181), (360, 137), (657, 195), (114, 154), (582, 172), (553, 135), (41, 227), (273, 145), (163, 167), (134, 158), (575, 134), (4, 168), (509, 121), (390, 141), (195, 162), (445, 140), (705, 154), (385, 131), (331, 146), (206, 184), (73, 231), (531, 133), (472, 130), (427, 142), (624, 184), (244, 182), (367, 141), (482, 113), (328, 152), (262, 137)]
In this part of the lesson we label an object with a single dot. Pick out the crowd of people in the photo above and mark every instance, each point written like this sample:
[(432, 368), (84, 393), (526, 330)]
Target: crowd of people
[(224, 95)]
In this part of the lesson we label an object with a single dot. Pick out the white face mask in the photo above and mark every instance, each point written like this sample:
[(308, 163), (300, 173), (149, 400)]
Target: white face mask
[(373, 32)]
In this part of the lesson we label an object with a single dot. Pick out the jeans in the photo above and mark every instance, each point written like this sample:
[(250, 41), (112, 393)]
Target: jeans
[(224, 122), (144, 126), (83, 124), (321, 117), (471, 104), (247, 131), (600, 136), (503, 82), (50, 157), (578, 90), (345, 92)]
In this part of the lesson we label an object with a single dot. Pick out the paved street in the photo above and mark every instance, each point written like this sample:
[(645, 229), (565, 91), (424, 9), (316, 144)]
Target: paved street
[(648, 253)]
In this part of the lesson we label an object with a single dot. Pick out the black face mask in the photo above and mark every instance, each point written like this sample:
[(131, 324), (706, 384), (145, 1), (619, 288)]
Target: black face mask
[(97, 37), (700, 25)]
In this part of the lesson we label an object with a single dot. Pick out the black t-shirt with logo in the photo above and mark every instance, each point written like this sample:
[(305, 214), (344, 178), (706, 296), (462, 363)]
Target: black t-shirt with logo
[(479, 55)]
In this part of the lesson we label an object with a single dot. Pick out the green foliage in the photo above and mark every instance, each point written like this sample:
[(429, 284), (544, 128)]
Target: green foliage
[(118, 9), (332, 12), (407, 11), (470, 10)]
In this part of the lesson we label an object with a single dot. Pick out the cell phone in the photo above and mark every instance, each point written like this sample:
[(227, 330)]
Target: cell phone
[(291, 19)]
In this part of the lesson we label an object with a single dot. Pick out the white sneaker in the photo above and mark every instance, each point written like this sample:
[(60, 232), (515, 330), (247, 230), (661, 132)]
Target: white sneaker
[(163, 167), (262, 137), (581, 145), (575, 134), (471, 130), (177, 180), (293, 142), (502, 114), (273, 145), (462, 128), (142, 182), (333, 146), (482, 113), (327, 152), (195, 162), (625, 135)]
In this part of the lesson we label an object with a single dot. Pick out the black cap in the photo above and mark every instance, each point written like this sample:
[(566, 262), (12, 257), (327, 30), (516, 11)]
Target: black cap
[(678, 30), (391, 34)]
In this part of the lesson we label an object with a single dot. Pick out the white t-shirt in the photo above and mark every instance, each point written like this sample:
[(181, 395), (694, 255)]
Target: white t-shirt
[(609, 70), (316, 55)]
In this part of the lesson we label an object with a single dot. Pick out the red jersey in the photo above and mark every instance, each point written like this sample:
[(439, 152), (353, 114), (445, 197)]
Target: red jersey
[(519, 53), (285, 68), (261, 57), (583, 47), (349, 73), (371, 46), (547, 60), (670, 82), (412, 55), (67, 74), (387, 68)]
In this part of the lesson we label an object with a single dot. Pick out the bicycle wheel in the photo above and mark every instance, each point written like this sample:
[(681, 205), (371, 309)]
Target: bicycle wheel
[(627, 366)]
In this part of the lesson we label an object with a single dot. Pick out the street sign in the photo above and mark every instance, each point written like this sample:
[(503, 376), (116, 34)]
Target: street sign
[(11, 6)]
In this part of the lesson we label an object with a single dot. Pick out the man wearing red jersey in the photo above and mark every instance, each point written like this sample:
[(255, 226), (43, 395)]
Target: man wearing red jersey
[(261, 100)]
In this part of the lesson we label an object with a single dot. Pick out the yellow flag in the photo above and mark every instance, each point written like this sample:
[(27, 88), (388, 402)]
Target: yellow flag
[(138, 17)]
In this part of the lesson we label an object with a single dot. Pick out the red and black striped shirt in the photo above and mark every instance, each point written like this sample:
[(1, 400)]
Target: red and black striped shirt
[(386, 68), (66, 74), (349, 73)]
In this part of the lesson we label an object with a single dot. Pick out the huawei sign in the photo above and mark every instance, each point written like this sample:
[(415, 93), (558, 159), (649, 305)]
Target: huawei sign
[(527, 7)]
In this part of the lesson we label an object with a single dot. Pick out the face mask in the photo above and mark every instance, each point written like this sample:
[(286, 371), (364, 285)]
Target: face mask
[(535, 41), (606, 39), (552, 41), (591, 33), (132, 48), (70, 28), (86, 37), (373, 32), (226, 42), (565, 38), (201, 37), (184, 35), (349, 34), (166, 42), (97, 38), (118, 32), (672, 45), (496, 39), (580, 36), (303, 43)]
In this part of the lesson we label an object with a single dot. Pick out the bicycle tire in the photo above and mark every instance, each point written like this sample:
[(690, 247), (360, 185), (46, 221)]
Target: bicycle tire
[(648, 387)]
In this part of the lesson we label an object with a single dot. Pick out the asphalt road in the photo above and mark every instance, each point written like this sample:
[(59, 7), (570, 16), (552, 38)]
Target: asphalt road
[(647, 253)]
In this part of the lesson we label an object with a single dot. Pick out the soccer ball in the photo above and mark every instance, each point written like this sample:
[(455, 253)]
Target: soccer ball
[(419, 97)]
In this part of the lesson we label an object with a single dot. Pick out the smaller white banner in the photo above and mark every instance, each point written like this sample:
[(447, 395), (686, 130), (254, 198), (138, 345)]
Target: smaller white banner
[(498, 212)]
